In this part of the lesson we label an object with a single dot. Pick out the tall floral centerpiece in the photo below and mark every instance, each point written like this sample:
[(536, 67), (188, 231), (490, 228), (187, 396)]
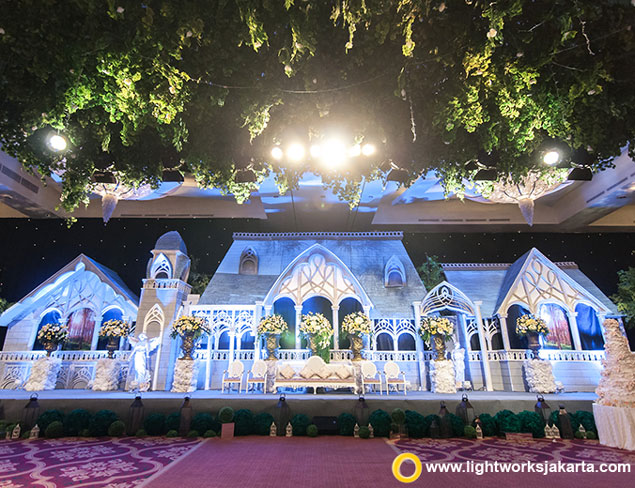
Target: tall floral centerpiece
[(114, 330), (531, 327), (357, 325), (318, 331), (188, 328), (51, 335), (437, 330), (271, 327)]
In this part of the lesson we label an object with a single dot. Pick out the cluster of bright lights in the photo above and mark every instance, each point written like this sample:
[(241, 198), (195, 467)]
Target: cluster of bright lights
[(57, 142), (332, 152), (551, 158)]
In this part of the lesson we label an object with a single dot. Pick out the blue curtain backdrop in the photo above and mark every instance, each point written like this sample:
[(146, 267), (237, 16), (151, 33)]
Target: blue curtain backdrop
[(589, 327)]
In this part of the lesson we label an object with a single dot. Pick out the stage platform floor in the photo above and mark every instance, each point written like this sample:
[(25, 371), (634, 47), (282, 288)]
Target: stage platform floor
[(425, 402)]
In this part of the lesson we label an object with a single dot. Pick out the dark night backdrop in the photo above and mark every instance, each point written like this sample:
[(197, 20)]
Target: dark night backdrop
[(33, 250)]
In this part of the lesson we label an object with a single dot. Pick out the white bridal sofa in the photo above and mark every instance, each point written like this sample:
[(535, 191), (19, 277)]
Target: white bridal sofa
[(315, 373)]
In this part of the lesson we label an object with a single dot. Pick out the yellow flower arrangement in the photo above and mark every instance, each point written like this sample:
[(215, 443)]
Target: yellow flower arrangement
[(273, 324), (357, 323), (55, 333), (316, 324), (189, 325), (435, 325), (115, 328), (526, 324)]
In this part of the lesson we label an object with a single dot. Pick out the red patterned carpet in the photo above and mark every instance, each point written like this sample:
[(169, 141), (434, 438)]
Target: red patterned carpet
[(262, 462)]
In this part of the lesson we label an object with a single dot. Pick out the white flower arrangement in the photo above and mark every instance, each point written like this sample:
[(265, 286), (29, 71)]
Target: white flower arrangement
[(316, 324), (115, 328), (189, 325), (527, 323), (435, 325), (53, 332), (273, 324), (357, 323)]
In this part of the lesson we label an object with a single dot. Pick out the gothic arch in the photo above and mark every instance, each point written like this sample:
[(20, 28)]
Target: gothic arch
[(317, 272), (154, 315), (444, 296), (394, 273), (248, 262), (161, 268)]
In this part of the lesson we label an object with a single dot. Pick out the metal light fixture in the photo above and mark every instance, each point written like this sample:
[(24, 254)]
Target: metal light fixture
[(486, 175), (361, 411), (465, 410), (185, 418), (580, 174), (31, 412), (542, 408), (283, 415), (135, 415), (566, 429), (57, 142), (445, 426)]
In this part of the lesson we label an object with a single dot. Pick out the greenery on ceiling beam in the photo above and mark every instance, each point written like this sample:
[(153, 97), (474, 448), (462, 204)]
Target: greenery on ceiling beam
[(208, 86)]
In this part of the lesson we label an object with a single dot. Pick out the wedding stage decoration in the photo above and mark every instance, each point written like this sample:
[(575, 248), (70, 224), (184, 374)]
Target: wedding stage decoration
[(318, 331), (108, 370), (614, 410), (357, 325), (189, 328), (271, 328), (538, 373), (43, 374), (138, 363), (438, 330)]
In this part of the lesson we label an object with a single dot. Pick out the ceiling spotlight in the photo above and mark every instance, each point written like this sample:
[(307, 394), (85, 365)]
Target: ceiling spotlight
[(486, 175), (551, 158), (295, 152), (315, 151), (355, 151), (368, 149), (472, 166), (580, 174), (57, 142), (277, 153), (333, 152)]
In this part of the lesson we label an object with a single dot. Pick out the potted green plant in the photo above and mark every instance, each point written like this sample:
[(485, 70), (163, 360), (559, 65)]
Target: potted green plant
[(226, 418)]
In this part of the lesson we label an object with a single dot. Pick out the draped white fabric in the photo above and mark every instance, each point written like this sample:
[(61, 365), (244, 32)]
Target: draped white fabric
[(616, 426)]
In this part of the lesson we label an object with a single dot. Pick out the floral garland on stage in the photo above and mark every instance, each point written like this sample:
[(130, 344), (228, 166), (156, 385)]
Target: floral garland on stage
[(357, 323), (53, 332), (115, 328), (431, 326), (273, 324), (189, 325), (527, 324)]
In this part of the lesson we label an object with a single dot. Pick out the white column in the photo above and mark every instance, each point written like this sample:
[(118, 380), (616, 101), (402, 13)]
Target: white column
[(419, 344), (484, 348), (254, 330), (575, 333), (298, 318), (208, 362), (232, 340), (504, 331), (336, 326)]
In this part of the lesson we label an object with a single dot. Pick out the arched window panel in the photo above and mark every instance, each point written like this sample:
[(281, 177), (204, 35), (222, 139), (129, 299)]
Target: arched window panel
[(559, 336), (110, 314), (81, 326), (385, 342), (394, 273), (223, 341), (513, 312), (347, 306), (161, 268), (406, 342), (50, 317), (247, 341), (589, 327), (286, 308), (475, 343), (248, 262), (497, 342)]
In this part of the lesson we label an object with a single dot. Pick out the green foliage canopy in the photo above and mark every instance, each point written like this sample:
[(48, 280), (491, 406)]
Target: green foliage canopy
[(206, 87), (625, 296)]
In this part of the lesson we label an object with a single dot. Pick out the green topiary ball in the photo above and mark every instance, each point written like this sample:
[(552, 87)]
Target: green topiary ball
[(154, 424), (26, 434), (312, 430), (173, 421), (141, 433), (488, 424), (54, 430), (507, 421), (117, 429), (84, 433), (193, 434), (209, 433), (586, 419), (578, 435), (457, 425), (591, 435), (101, 421), (262, 423), (469, 432), (172, 433), (532, 423), (346, 424), (47, 417), (364, 432), (204, 422), (416, 424), (226, 415), (244, 421), (398, 416), (380, 420), (300, 422), (76, 421)]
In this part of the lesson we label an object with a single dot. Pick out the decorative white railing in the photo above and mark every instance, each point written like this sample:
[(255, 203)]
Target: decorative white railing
[(559, 355), (511, 355), (304, 354), (63, 355), (166, 283), (396, 355), (474, 355)]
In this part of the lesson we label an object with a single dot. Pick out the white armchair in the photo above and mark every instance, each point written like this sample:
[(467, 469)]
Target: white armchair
[(257, 374), (233, 375), (394, 376), (370, 376)]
